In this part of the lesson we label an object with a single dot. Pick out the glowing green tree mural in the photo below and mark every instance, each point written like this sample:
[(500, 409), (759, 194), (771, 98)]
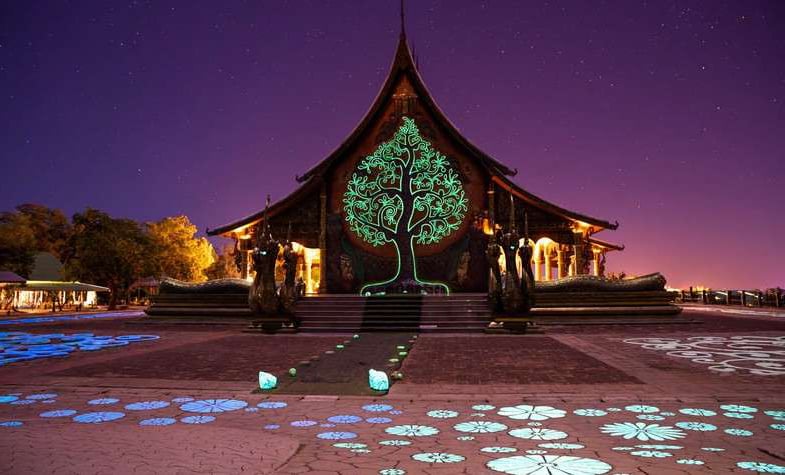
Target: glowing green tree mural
[(405, 193)]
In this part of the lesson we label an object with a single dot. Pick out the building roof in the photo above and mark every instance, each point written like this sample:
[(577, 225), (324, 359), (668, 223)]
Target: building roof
[(59, 286), (7, 277), (403, 64), (46, 267)]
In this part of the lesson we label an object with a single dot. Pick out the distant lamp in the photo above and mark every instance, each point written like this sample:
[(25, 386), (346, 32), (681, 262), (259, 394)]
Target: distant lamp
[(378, 380), (267, 381)]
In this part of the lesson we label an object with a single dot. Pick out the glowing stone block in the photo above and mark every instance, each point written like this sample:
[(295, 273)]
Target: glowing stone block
[(378, 380), (267, 380)]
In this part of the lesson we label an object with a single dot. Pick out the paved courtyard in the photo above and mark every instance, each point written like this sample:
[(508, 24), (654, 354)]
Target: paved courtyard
[(117, 395)]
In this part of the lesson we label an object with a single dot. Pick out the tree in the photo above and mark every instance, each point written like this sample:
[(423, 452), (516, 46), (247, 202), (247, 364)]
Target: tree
[(178, 253), (50, 226), (224, 266), (107, 251), (17, 244), (405, 193)]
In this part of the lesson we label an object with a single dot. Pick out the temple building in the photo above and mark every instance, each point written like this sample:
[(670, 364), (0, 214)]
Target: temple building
[(406, 199)]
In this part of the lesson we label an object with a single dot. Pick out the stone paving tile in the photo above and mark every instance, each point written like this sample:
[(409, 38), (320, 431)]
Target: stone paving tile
[(671, 403)]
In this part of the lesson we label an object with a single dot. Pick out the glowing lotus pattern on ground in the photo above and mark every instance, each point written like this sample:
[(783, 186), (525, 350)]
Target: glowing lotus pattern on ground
[(642, 431), (534, 413), (549, 465)]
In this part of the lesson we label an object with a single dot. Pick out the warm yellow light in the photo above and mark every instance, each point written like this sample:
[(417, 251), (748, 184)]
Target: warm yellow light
[(486, 227)]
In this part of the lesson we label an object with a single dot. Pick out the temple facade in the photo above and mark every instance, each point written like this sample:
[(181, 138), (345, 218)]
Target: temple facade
[(406, 202)]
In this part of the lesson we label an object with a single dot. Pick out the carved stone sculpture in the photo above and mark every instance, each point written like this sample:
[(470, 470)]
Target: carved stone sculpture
[(262, 296), (288, 291), (527, 276), (513, 292), (495, 289)]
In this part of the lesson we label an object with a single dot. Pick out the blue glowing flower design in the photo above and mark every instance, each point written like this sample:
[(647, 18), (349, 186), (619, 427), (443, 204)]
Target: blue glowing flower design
[(396, 412), (667, 413), (59, 413), (498, 450), (442, 414), (213, 405), (738, 432), (272, 426), (344, 419), (412, 430), (377, 407), (483, 407), (180, 400), (642, 431), (11, 424), (761, 467), (465, 437), (103, 401), (98, 417), (23, 402), (147, 405), (650, 454), (777, 426), (590, 412), (738, 408), (303, 423), (613, 409), (623, 449), (336, 435), (775, 414), (548, 465), (738, 415), (534, 424), (392, 471), (698, 426), (536, 451), (534, 413), (712, 449), (438, 457), (197, 419), (479, 427), (538, 434), (271, 405), (692, 411), (327, 424), (158, 421), (39, 397), (378, 420), (690, 462), (251, 409), (561, 445), (395, 442)]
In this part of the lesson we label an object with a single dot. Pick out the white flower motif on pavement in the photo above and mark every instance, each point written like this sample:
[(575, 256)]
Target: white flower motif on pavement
[(548, 465), (642, 409), (438, 457), (590, 412), (412, 430), (642, 431), (538, 434), (479, 427), (534, 413), (442, 414)]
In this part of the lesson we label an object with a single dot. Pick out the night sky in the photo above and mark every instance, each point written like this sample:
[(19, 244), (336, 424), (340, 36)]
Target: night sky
[(666, 116)]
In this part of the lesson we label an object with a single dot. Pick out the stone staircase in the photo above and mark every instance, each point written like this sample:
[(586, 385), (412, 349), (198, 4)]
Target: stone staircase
[(423, 313)]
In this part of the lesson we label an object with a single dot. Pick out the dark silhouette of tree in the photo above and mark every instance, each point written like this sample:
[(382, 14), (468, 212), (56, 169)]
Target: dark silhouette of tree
[(17, 244), (405, 193)]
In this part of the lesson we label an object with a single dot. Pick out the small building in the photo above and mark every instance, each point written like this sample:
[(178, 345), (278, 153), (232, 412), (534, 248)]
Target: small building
[(406, 197)]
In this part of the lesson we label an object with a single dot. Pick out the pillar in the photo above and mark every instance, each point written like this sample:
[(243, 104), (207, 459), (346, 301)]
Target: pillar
[(323, 239), (578, 252), (595, 264), (560, 268), (571, 270), (547, 261), (537, 275), (492, 206)]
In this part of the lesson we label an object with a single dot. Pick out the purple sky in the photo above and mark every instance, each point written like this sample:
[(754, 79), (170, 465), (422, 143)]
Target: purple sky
[(666, 116)]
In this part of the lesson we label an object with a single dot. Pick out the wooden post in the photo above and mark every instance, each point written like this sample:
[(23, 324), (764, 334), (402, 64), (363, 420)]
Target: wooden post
[(492, 206), (323, 239)]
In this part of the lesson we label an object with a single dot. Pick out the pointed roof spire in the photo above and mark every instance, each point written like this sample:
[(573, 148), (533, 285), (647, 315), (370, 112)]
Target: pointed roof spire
[(403, 21)]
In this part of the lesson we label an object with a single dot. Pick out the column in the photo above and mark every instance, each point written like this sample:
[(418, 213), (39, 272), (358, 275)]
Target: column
[(560, 268), (578, 252), (595, 264), (571, 270), (537, 275), (547, 259), (323, 239)]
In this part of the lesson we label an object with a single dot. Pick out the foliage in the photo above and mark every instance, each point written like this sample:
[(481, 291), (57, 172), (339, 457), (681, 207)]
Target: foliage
[(107, 251), (224, 266), (50, 226), (178, 253), (17, 244)]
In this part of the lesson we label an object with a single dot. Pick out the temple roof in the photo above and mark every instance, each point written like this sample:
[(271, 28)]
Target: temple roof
[(403, 64)]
